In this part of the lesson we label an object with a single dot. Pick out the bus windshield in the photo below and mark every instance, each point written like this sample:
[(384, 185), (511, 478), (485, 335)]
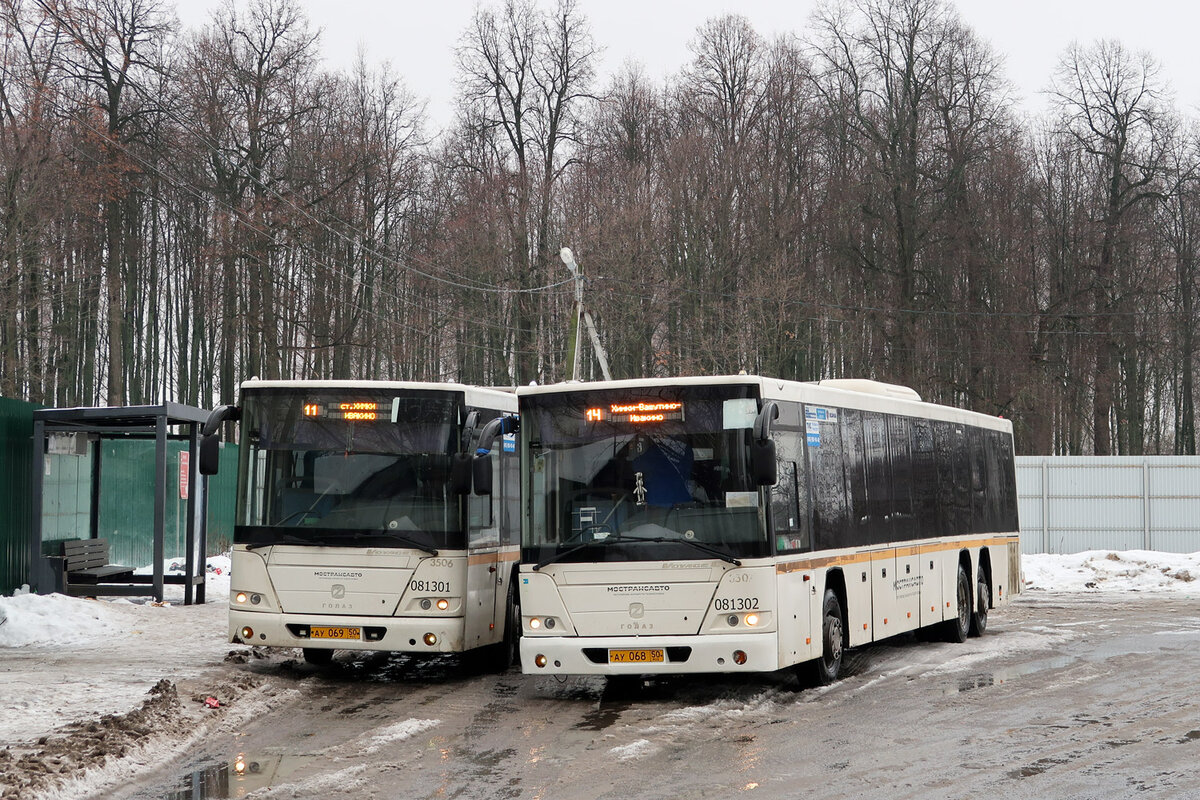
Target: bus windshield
[(641, 474), (349, 468)]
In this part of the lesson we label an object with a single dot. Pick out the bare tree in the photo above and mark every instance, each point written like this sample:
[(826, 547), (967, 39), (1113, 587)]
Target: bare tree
[(524, 77), (1111, 103), (111, 43)]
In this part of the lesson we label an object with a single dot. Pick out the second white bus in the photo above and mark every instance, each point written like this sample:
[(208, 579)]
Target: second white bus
[(742, 523)]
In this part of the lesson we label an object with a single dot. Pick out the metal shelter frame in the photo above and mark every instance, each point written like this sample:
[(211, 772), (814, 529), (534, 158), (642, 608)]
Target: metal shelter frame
[(140, 422)]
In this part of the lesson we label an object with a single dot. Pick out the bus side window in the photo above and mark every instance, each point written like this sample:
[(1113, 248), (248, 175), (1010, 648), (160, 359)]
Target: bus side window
[(878, 478), (481, 527), (924, 479), (789, 513), (510, 498), (856, 531), (900, 460), (827, 476)]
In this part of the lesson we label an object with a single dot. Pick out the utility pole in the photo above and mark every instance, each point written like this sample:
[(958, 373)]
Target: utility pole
[(582, 315)]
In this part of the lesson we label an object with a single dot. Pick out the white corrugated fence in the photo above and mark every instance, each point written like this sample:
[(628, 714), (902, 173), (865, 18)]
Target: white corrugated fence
[(1069, 504)]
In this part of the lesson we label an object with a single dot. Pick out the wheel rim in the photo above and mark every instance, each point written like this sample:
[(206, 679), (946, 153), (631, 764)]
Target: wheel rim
[(964, 604), (833, 641), (981, 606)]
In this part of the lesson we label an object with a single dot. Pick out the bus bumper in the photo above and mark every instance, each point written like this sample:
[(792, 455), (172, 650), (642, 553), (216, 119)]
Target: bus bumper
[(397, 634), (684, 654)]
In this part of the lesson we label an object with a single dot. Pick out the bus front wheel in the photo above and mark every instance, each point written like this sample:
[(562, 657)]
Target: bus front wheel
[(828, 666)]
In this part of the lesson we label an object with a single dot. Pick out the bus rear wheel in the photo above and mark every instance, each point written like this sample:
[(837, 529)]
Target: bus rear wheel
[(956, 629), (318, 656), (828, 666), (979, 615)]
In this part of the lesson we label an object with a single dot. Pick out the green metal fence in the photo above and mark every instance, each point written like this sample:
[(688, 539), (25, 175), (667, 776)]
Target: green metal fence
[(126, 500), (16, 501)]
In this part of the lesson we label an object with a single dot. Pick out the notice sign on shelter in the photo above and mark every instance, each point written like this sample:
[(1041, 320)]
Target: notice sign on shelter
[(184, 460)]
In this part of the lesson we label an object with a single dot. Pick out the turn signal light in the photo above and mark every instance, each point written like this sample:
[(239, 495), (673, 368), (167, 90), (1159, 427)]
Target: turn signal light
[(443, 604), (539, 660), (431, 639), (739, 657), (241, 597), (752, 619), (535, 623), (247, 632)]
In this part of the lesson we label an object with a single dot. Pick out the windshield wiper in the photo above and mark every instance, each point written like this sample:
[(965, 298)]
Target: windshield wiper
[(285, 538), (712, 551), (620, 538), (282, 538), (399, 537)]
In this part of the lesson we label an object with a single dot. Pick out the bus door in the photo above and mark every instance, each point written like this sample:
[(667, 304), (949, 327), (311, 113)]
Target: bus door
[(483, 565)]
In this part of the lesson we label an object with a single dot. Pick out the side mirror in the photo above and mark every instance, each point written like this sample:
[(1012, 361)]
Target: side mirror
[(210, 454), (481, 466), (210, 438), (762, 448), (763, 467), (481, 469), (460, 473)]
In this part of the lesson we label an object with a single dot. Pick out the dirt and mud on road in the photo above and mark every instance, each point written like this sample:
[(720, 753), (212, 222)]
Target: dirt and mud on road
[(1066, 696)]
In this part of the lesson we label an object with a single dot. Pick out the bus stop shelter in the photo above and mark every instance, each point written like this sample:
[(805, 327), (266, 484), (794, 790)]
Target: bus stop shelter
[(69, 428)]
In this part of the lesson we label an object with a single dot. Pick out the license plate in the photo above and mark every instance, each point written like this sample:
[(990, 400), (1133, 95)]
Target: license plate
[(332, 632), (636, 656)]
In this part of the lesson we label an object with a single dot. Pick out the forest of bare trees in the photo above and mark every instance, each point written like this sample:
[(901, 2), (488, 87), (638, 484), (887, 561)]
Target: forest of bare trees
[(182, 209)]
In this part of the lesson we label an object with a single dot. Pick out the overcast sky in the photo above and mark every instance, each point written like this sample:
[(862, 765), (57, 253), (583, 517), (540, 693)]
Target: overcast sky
[(418, 38)]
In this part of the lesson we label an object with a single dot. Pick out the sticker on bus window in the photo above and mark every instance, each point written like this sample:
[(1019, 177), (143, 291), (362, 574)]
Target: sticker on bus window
[(739, 413), (820, 414), (741, 499)]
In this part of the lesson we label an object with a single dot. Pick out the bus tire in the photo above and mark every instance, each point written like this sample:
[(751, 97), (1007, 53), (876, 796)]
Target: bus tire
[(827, 666), (979, 615), (957, 629), (318, 656)]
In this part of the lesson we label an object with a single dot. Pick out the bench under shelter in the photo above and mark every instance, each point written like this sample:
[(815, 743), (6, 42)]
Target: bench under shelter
[(81, 566)]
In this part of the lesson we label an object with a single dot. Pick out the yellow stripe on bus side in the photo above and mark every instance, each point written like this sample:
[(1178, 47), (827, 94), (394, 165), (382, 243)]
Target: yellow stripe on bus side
[(864, 556), (489, 558)]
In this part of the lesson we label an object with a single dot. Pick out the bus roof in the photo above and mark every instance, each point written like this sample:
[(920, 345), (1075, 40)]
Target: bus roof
[(862, 394)]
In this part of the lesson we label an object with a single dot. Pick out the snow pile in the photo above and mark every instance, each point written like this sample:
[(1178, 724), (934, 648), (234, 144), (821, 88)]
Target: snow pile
[(27, 619), (1111, 572), (30, 618)]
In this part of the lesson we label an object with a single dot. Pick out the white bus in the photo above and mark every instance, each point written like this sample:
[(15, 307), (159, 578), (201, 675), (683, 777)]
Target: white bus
[(733, 524), (356, 524)]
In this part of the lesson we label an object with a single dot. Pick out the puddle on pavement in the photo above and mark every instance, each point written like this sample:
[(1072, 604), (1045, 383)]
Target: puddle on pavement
[(217, 780), (983, 680)]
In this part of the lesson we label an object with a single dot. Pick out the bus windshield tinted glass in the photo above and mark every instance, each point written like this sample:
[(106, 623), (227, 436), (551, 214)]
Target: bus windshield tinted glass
[(347, 467), (610, 468)]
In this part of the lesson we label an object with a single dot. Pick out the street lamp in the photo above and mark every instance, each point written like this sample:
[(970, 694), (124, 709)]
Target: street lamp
[(568, 258), (581, 315)]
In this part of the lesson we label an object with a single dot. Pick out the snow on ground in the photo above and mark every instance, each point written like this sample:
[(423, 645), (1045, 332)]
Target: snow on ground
[(68, 658), (1107, 571)]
